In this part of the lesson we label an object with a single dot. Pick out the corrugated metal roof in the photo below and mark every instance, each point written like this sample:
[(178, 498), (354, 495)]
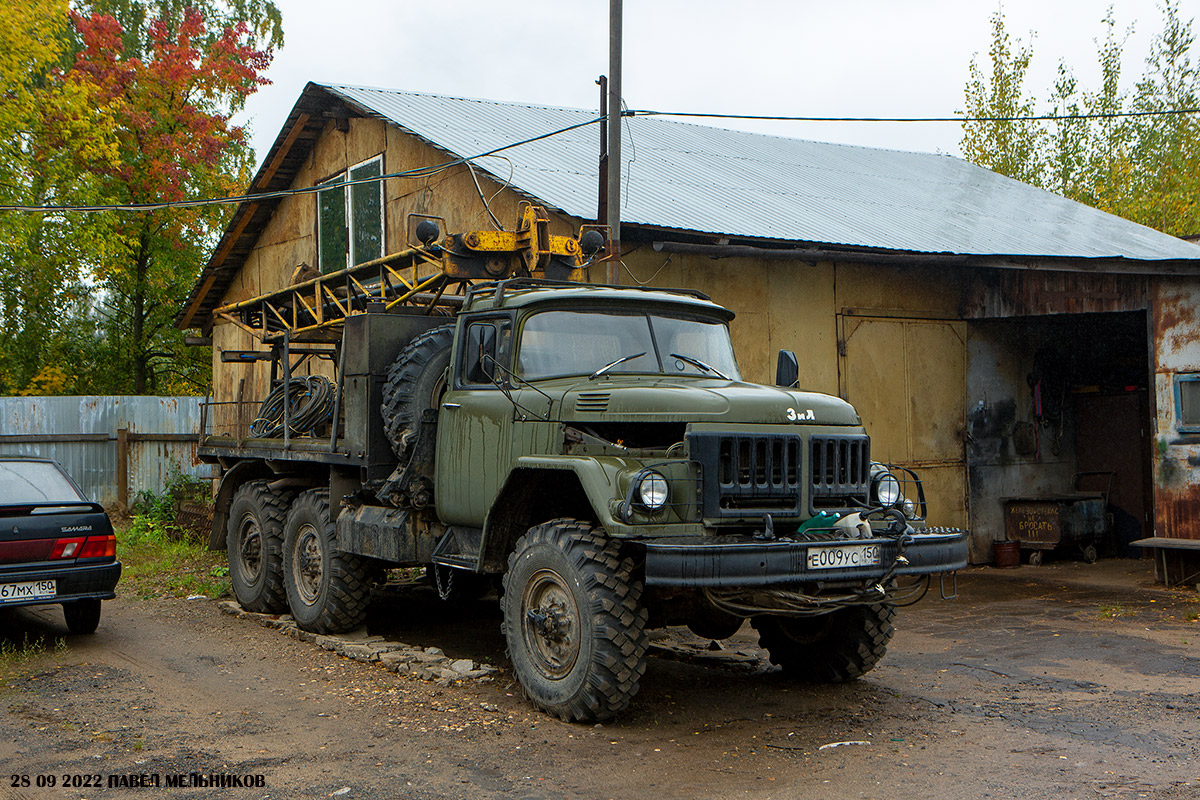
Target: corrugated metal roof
[(712, 180)]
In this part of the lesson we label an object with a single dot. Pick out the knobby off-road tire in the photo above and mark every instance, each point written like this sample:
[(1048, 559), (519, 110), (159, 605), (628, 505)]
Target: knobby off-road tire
[(327, 590), (574, 621), (254, 546), (415, 383), (832, 648), (82, 616)]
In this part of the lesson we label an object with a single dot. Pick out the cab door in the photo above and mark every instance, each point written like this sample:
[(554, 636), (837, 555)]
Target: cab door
[(475, 420)]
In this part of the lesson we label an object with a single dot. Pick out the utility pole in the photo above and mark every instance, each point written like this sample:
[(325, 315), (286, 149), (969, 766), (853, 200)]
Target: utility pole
[(614, 140), (602, 188)]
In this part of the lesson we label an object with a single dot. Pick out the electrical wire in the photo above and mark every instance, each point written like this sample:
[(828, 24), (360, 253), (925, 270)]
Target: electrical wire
[(212, 201), (1023, 118), (486, 206), (437, 168)]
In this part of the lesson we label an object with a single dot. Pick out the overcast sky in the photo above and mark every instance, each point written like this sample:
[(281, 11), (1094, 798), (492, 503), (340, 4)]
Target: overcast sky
[(783, 57)]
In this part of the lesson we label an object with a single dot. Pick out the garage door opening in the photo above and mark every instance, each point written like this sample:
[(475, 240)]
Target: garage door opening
[(1058, 415)]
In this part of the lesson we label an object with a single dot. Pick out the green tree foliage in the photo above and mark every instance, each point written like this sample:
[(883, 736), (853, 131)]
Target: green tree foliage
[(118, 102), (1011, 147), (47, 128), (1146, 169)]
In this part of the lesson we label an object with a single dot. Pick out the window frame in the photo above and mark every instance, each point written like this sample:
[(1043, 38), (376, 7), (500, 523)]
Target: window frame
[(501, 321), (347, 199), (1182, 425)]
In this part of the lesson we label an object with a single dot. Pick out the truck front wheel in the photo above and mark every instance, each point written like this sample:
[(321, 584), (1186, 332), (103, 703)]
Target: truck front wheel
[(254, 546), (327, 590), (574, 621), (832, 648)]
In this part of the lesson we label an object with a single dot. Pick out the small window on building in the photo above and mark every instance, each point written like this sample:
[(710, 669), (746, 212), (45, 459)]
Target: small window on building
[(350, 218), (1187, 402)]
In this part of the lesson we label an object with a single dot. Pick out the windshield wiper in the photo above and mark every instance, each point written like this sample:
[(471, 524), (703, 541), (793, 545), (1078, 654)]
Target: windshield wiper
[(607, 367), (695, 362)]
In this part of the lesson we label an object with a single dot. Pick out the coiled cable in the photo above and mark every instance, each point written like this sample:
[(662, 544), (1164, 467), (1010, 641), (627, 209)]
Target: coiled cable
[(311, 398)]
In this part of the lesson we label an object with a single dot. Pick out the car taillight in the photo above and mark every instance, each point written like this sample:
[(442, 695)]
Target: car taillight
[(89, 547), (99, 547), (66, 548)]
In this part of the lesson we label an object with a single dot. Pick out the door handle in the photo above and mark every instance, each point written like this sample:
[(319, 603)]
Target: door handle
[(451, 405)]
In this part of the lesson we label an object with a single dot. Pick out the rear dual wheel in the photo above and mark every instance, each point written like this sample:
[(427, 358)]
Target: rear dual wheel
[(328, 591), (254, 546)]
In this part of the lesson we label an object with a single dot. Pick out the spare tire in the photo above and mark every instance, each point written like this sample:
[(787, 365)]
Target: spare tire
[(415, 383)]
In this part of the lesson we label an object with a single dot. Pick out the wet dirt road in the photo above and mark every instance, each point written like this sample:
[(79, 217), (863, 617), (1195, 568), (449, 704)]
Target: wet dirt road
[(1063, 681)]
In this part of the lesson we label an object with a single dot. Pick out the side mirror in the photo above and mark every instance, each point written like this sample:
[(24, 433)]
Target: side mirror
[(481, 353), (787, 370)]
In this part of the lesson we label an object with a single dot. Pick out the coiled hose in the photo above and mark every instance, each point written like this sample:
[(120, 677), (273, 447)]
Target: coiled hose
[(311, 398)]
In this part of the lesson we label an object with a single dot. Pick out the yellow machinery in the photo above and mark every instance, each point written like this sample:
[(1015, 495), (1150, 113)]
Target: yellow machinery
[(430, 277)]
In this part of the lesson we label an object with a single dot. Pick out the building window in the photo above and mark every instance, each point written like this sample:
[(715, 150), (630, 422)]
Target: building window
[(350, 218), (1187, 402)]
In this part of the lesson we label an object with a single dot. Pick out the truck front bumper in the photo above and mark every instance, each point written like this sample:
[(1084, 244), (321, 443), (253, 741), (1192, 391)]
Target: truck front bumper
[(730, 561)]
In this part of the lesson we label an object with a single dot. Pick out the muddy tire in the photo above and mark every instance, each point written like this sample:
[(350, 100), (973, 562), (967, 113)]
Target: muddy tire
[(574, 621), (415, 383), (254, 546), (328, 591), (832, 648), (82, 616)]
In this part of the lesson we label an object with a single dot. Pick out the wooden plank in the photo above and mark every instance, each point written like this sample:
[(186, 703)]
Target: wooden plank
[(217, 259), (284, 149), (1168, 542), (123, 470)]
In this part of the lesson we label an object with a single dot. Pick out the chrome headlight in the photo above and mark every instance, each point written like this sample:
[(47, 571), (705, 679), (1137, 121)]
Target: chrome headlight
[(887, 489), (652, 490)]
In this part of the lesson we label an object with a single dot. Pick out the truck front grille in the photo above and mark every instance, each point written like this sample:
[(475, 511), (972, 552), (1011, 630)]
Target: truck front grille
[(747, 475), (841, 470)]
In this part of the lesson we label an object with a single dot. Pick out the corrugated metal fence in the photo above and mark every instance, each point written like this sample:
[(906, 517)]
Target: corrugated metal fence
[(114, 447)]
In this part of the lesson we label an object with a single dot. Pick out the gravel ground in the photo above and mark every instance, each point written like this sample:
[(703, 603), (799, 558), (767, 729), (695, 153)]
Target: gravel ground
[(1065, 681)]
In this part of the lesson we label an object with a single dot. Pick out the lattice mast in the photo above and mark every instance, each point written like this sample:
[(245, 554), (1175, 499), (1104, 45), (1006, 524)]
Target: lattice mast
[(429, 277)]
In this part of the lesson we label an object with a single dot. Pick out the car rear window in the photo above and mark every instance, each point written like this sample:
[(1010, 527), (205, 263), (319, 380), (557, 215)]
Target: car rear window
[(23, 482)]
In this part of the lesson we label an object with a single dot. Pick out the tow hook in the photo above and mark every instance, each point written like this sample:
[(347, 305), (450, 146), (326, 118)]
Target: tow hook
[(767, 534)]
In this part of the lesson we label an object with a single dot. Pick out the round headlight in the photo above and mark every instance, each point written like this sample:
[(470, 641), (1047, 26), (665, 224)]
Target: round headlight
[(652, 490), (910, 508), (887, 489)]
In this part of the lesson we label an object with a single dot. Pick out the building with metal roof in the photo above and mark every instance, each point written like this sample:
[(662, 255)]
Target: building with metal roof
[(750, 185), (992, 335)]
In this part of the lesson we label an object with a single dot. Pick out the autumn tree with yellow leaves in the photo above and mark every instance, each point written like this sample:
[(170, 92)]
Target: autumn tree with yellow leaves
[(1144, 168), (117, 103)]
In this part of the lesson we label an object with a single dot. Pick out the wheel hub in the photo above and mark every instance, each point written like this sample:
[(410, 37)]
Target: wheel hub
[(551, 623), (307, 563), (251, 548)]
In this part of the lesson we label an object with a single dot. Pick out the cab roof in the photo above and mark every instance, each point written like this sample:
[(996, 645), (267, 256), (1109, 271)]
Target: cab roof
[(523, 292)]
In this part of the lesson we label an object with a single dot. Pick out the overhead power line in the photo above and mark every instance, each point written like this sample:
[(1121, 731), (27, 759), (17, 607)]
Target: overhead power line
[(1029, 118), (420, 172), (435, 169)]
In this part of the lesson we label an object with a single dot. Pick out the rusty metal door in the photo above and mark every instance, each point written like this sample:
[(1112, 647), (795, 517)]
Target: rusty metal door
[(907, 378), (1112, 435)]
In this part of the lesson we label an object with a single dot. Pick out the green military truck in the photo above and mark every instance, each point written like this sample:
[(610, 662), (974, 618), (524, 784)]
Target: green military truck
[(595, 447)]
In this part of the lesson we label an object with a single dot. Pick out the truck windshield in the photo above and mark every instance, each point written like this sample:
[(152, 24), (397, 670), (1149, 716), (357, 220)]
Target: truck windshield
[(555, 343)]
